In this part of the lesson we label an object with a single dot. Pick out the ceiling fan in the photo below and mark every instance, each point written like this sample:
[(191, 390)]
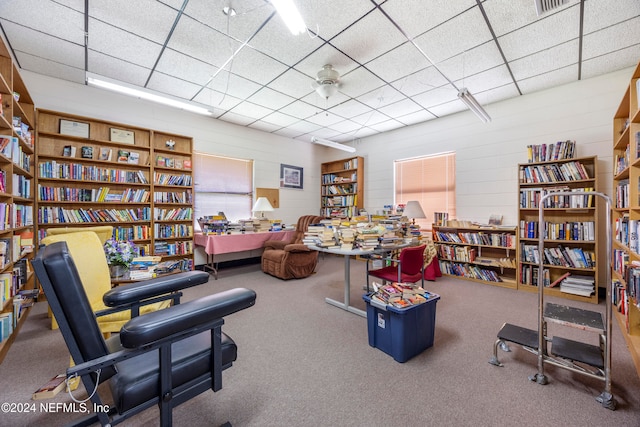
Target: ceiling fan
[(327, 81)]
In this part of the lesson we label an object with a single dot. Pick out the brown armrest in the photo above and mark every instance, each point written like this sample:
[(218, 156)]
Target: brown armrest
[(275, 244), (297, 247)]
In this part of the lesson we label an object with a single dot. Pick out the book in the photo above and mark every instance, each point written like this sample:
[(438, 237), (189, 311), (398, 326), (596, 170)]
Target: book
[(105, 153), (123, 156), (69, 151), (134, 158), (558, 280), (186, 164), (54, 386), (160, 161), (87, 152)]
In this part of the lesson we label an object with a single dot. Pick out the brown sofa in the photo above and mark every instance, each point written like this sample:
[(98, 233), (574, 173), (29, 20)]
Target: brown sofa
[(291, 260)]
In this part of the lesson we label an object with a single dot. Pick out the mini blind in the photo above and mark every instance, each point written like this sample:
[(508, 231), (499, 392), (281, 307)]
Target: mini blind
[(431, 180)]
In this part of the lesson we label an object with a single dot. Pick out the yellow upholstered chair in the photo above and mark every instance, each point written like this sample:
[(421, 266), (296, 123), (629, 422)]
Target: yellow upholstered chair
[(104, 232), (87, 251)]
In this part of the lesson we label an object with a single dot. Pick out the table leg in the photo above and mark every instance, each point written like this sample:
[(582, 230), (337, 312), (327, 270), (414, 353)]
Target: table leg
[(347, 291), (210, 266)]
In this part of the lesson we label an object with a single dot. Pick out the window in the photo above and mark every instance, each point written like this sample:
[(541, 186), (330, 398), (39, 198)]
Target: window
[(431, 180), (222, 184)]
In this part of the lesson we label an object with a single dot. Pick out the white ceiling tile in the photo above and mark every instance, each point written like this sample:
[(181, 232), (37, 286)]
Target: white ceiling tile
[(543, 34), (217, 101), (304, 126), (359, 82), (330, 17), (288, 132), (185, 67), (270, 98), (275, 42), (172, 86), (473, 61), (546, 60), (117, 69), (299, 109), (610, 62), (233, 85), (346, 126), (599, 42), (45, 16), (498, 94), (237, 119), (417, 117), (250, 15), (350, 109), (264, 126), (495, 77), (371, 118), (447, 108), (251, 110), (548, 80), (436, 97), (418, 16), (145, 18), (386, 126), (327, 54), (382, 36), (44, 46), (363, 132), (121, 44), (324, 119), (462, 33), (419, 82), (602, 14), (279, 119), (293, 83), (508, 15), (50, 68), (257, 67), (382, 96), (400, 62), (176, 4), (400, 108)]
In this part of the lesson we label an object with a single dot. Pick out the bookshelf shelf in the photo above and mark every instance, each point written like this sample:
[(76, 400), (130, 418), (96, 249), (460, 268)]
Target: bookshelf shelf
[(342, 188), (626, 214), (570, 243), (479, 254), (116, 184), (17, 114)]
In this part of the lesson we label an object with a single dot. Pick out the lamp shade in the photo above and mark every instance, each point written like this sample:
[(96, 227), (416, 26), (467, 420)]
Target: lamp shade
[(413, 210), (262, 205)]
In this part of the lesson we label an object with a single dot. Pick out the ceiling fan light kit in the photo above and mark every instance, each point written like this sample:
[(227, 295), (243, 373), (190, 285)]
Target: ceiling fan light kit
[(327, 80), (470, 101)]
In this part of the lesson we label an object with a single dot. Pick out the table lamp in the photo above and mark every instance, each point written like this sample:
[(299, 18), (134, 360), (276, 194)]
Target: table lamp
[(262, 205), (413, 210)]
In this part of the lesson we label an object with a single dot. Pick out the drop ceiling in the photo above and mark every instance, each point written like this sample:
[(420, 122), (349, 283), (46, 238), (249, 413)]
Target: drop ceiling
[(401, 61)]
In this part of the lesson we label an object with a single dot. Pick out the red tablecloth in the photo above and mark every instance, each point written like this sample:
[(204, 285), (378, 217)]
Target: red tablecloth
[(226, 243)]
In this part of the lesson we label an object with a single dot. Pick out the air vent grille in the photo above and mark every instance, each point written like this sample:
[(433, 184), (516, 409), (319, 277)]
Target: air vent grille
[(544, 6)]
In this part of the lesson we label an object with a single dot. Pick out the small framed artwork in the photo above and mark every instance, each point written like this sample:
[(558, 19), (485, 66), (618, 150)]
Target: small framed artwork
[(87, 152), (121, 135), (71, 128), (291, 177)]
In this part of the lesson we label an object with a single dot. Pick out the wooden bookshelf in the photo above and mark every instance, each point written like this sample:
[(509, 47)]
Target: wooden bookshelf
[(17, 124), (480, 254), (571, 223), (138, 180), (342, 188), (626, 212)]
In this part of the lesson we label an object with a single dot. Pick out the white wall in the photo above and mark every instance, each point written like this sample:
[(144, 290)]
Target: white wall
[(487, 155)]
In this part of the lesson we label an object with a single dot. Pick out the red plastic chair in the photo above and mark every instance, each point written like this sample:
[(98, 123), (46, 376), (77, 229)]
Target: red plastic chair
[(408, 268)]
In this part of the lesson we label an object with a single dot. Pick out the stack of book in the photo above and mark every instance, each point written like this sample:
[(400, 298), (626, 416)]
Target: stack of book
[(578, 285), (399, 295)]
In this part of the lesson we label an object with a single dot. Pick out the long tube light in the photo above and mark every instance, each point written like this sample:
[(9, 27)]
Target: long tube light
[(332, 144), (470, 101), (290, 15), (127, 90)]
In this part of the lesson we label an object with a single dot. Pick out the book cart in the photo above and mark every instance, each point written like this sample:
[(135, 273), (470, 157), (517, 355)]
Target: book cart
[(582, 358)]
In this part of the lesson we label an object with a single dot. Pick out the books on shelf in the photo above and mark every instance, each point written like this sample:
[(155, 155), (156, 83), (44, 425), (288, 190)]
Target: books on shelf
[(69, 151), (87, 152), (105, 154), (578, 285)]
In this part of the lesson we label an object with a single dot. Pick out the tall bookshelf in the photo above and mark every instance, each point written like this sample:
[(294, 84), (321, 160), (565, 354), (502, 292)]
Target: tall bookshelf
[(342, 188), (571, 224), (17, 123), (480, 254), (626, 213), (95, 172)]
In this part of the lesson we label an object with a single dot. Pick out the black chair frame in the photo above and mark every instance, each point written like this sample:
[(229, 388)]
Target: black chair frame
[(151, 336)]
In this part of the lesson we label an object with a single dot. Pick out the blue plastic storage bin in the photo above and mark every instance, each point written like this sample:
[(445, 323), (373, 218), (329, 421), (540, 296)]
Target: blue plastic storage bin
[(401, 332)]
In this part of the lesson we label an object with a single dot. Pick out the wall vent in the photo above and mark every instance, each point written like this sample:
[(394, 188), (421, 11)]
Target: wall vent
[(544, 6)]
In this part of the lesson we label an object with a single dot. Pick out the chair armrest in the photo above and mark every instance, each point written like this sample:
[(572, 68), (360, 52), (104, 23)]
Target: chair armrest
[(144, 330), (138, 291), (275, 244), (297, 247)]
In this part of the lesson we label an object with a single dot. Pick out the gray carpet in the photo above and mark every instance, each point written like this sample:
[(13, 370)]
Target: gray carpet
[(303, 362)]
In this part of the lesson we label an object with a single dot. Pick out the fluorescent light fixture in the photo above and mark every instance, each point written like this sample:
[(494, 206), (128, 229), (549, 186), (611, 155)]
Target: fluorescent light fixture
[(332, 144), (142, 94), (290, 15), (471, 102)]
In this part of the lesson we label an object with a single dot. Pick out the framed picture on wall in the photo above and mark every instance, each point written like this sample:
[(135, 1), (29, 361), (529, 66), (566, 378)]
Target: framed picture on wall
[(291, 177)]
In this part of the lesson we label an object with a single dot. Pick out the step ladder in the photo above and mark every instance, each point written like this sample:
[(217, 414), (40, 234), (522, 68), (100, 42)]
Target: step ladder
[(583, 358)]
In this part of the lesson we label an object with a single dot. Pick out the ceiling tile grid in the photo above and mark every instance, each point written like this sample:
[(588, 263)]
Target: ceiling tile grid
[(249, 70)]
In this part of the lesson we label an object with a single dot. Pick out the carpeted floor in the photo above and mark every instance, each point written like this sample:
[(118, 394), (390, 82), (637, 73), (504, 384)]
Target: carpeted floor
[(303, 362)]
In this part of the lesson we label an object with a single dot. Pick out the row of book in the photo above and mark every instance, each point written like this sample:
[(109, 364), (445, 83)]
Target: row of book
[(169, 179), (176, 214), (75, 171), (399, 295), (621, 161), (171, 162), (530, 198), (469, 270), (620, 261), (60, 215), (330, 178), (502, 240), (622, 194), (339, 211), (338, 189), (570, 230), (11, 149), (168, 231), (134, 232), (173, 197), (555, 172), (22, 129), (21, 186), (349, 200), (96, 195), (164, 248), (14, 215), (559, 256), (547, 152)]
